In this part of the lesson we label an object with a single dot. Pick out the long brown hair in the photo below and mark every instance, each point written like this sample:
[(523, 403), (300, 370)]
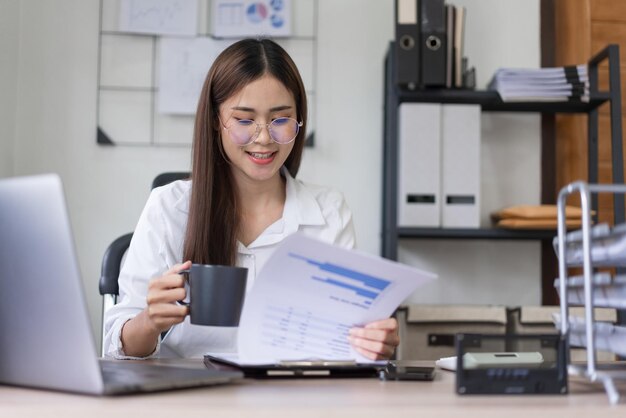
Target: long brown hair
[(213, 223)]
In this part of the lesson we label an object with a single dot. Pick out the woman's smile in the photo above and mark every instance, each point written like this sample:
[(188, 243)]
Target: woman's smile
[(261, 157)]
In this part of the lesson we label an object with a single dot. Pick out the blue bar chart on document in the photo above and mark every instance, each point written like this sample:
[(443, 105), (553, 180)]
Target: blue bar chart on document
[(309, 295), (360, 289), (299, 328)]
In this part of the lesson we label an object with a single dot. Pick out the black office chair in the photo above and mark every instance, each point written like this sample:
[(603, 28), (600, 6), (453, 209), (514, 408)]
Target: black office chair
[(114, 254)]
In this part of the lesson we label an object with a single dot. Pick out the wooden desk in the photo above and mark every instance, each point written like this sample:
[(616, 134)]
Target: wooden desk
[(325, 398)]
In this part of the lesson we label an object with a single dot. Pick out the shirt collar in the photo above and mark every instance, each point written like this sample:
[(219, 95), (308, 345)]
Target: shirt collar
[(300, 203), (301, 208)]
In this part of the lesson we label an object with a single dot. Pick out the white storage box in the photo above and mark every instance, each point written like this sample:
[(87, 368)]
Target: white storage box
[(427, 332)]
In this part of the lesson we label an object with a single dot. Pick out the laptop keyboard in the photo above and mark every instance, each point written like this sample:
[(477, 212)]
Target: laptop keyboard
[(145, 376), (121, 372)]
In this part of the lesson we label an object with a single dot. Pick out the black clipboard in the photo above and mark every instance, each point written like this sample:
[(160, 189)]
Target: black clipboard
[(297, 369)]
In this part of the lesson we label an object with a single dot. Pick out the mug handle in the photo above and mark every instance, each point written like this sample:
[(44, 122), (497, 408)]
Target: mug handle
[(186, 274)]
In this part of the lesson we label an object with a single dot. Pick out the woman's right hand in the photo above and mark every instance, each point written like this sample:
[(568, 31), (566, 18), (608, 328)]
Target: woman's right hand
[(163, 292), (140, 335)]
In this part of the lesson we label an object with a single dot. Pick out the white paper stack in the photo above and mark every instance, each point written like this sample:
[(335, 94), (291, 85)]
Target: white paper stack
[(607, 337), (608, 291), (608, 246), (570, 83)]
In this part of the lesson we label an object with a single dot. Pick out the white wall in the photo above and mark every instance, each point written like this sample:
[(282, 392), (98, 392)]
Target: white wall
[(107, 187), (9, 27), (348, 149)]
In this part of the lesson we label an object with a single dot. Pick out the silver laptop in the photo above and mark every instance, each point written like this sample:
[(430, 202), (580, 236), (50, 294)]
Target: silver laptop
[(45, 335)]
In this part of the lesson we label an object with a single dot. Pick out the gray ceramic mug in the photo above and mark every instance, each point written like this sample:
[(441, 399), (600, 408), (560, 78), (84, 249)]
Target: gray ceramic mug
[(216, 294)]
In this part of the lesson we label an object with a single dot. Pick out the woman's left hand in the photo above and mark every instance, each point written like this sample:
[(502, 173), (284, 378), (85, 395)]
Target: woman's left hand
[(377, 340)]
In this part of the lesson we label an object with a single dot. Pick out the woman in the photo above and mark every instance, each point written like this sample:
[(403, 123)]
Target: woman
[(242, 200)]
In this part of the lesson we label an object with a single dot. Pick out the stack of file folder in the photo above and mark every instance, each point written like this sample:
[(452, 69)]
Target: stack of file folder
[(535, 217), (555, 84), (429, 45)]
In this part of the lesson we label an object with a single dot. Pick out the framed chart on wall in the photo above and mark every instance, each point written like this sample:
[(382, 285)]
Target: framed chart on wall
[(154, 55)]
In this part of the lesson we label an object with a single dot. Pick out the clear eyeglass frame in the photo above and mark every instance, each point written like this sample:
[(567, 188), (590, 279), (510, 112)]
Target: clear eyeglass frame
[(247, 123)]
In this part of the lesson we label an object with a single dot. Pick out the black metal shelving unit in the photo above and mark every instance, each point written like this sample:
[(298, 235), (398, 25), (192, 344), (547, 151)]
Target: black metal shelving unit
[(490, 102), (472, 233)]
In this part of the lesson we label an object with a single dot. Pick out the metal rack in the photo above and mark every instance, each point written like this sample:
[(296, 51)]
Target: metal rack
[(606, 374)]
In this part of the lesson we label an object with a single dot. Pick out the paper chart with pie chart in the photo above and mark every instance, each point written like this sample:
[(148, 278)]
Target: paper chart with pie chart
[(239, 18)]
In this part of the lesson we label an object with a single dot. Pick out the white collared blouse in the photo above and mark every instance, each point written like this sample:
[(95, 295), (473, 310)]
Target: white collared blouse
[(157, 245)]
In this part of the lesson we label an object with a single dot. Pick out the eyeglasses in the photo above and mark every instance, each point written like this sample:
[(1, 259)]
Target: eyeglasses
[(281, 130)]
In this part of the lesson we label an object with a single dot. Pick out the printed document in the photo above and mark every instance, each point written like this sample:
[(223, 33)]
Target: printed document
[(309, 294), (183, 66), (159, 17)]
